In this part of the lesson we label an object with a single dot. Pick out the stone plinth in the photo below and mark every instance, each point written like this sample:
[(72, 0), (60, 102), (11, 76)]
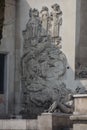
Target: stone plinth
[(79, 122), (54, 121), (80, 103), (79, 117)]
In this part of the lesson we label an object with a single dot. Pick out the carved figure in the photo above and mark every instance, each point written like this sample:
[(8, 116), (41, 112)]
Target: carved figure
[(56, 21), (44, 19), (66, 107), (57, 106), (34, 24), (43, 64)]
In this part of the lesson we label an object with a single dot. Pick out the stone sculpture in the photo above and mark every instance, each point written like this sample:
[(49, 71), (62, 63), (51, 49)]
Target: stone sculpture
[(43, 66), (34, 24), (56, 21), (64, 107), (44, 19), (68, 106)]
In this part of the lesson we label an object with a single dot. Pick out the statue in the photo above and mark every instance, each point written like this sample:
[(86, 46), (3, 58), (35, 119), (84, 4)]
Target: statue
[(43, 64), (56, 21), (44, 19), (34, 24)]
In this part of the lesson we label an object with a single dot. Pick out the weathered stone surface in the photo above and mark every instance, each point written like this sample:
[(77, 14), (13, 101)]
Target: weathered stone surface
[(32, 124), (56, 22), (80, 104), (82, 126), (18, 124), (12, 124), (79, 116), (54, 121), (2, 5), (43, 69)]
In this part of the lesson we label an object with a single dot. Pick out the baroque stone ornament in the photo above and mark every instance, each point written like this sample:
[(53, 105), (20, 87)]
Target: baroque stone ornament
[(43, 65)]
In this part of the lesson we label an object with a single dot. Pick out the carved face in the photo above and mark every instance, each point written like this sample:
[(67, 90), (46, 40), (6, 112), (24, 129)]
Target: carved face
[(44, 14), (35, 13), (55, 7)]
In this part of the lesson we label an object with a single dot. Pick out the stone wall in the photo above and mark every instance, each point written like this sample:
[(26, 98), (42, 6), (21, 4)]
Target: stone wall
[(12, 45), (2, 5), (7, 47), (18, 124)]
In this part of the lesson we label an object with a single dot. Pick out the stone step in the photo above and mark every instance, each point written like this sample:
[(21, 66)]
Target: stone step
[(46, 121)]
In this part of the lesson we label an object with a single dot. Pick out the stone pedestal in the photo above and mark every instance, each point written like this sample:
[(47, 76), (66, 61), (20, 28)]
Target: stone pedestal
[(54, 121), (79, 117)]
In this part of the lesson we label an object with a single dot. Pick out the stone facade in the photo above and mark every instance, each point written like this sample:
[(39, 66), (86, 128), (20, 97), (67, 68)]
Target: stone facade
[(7, 47), (14, 45), (2, 5)]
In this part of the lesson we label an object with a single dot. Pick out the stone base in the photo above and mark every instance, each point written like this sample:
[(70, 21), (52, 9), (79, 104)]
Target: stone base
[(80, 102), (80, 126), (79, 117), (54, 121), (47, 121), (79, 122), (18, 124)]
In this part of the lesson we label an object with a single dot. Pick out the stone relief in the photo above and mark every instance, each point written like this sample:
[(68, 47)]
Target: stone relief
[(67, 106), (43, 63), (63, 107)]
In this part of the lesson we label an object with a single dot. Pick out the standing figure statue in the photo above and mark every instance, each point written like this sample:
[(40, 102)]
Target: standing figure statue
[(56, 21), (44, 19), (34, 23)]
